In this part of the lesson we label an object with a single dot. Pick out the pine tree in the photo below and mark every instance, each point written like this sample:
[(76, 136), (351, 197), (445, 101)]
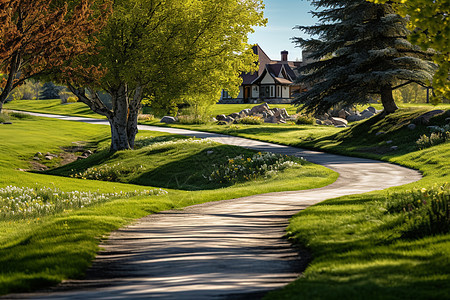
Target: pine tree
[(50, 91), (361, 50)]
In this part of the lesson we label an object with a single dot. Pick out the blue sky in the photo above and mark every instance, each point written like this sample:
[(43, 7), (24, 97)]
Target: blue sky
[(282, 16)]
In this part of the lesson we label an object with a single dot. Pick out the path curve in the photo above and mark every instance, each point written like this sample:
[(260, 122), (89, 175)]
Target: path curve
[(231, 249)]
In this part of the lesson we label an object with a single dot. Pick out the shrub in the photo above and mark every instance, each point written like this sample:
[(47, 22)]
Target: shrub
[(146, 117), (438, 136), (241, 168), (192, 119), (25, 202), (425, 211), (20, 116), (72, 99), (4, 117), (305, 120), (251, 120)]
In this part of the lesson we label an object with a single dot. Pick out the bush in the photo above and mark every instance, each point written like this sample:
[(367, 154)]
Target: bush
[(305, 120), (4, 117), (438, 136), (251, 120), (72, 99), (146, 117), (20, 116), (425, 211), (241, 168), (191, 119)]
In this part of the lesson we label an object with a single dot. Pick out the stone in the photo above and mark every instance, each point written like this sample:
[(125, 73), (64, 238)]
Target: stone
[(319, 122), (412, 126), (48, 157), (389, 142), (372, 109), (229, 119), (341, 126), (354, 118), (367, 114), (244, 112), (393, 148), (259, 108), (425, 118), (220, 117), (36, 158), (271, 119), (343, 114), (338, 121), (214, 120), (38, 154), (234, 115), (209, 152), (222, 123), (379, 133), (168, 120), (284, 113), (324, 117), (327, 122)]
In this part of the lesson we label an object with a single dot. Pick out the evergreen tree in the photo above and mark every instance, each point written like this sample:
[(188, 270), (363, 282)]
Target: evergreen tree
[(361, 50), (49, 91)]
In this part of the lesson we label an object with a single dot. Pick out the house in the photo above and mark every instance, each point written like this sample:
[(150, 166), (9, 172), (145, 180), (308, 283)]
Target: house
[(274, 82)]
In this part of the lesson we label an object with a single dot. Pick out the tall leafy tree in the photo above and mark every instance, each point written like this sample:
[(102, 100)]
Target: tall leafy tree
[(39, 35), (165, 50), (430, 25), (361, 50)]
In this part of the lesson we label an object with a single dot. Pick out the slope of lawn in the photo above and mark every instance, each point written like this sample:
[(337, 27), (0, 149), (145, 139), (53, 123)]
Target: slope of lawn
[(381, 245), (41, 248)]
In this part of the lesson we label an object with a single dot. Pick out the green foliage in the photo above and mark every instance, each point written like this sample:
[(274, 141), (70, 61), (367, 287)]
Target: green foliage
[(361, 49), (50, 91), (438, 136), (251, 120), (72, 99), (4, 117), (305, 120), (260, 165), (430, 27), (425, 212), (25, 203)]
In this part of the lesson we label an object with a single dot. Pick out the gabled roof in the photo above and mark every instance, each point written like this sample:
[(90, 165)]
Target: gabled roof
[(271, 70)]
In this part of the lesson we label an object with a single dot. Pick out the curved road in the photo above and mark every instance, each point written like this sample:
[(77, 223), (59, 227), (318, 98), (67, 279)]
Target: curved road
[(230, 249)]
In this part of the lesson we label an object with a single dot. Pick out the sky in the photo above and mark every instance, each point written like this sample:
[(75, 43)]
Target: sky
[(282, 16)]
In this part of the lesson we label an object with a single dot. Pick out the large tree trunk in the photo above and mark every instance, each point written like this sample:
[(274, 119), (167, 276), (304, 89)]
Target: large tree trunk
[(119, 119), (14, 67), (387, 99), (133, 113)]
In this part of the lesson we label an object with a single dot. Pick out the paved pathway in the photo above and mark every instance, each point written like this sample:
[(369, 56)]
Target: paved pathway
[(230, 249)]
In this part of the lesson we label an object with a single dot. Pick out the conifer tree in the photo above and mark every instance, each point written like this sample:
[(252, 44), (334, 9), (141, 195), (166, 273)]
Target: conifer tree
[(361, 50)]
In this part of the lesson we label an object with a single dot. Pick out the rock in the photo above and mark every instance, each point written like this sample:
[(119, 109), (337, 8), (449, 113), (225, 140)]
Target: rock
[(318, 122), (229, 120), (393, 148), (343, 114), (354, 118), (338, 121), (379, 133), (48, 157), (222, 123), (234, 116), (367, 114), (80, 157), (38, 154), (271, 119), (324, 117), (220, 117), (372, 109), (425, 118), (389, 142), (209, 152), (214, 120), (168, 119), (36, 158), (327, 122), (341, 126), (244, 112), (412, 126), (259, 108)]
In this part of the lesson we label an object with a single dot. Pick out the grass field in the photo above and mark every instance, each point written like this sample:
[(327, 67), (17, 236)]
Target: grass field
[(378, 245), (42, 247)]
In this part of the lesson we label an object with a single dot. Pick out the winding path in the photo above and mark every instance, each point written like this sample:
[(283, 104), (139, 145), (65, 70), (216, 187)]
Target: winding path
[(230, 249)]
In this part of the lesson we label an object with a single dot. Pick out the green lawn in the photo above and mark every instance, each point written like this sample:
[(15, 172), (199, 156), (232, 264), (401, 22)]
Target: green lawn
[(361, 249), (43, 249)]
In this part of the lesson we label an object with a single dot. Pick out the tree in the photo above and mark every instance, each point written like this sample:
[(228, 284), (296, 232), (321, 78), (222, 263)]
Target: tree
[(167, 51), (39, 35), (50, 91), (430, 25), (361, 50)]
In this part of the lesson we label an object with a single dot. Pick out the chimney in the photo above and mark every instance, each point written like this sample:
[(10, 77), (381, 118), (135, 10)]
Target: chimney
[(284, 55)]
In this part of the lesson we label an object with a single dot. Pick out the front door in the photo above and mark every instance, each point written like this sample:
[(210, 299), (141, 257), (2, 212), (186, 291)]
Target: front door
[(246, 94)]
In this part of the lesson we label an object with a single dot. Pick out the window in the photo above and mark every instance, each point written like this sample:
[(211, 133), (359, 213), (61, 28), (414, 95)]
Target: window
[(272, 91)]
